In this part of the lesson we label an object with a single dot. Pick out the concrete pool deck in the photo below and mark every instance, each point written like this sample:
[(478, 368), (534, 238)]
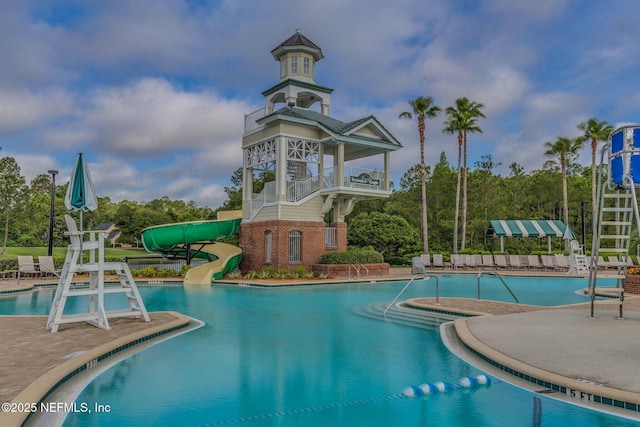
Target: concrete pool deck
[(560, 346)]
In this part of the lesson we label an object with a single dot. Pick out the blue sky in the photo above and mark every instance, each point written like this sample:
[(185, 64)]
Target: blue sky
[(154, 92)]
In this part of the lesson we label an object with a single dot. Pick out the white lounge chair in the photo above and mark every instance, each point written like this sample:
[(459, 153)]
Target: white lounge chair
[(501, 261), (26, 267), (438, 262), (470, 261), (47, 266), (487, 261), (457, 261), (562, 262), (426, 260), (534, 262), (547, 262), (514, 261)]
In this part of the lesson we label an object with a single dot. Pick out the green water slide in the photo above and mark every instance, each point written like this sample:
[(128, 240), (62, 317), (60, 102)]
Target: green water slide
[(197, 239)]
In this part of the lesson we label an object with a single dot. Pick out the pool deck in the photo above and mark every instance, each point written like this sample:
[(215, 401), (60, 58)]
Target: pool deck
[(554, 345), (34, 361)]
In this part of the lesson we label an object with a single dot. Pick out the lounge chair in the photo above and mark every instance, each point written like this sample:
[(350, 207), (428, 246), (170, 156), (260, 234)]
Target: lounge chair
[(547, 262), (630, 261), (438, 262), (470, 261), (26, 267), (562, 262), (478, 260), (426, 260), (47, 266), (514, 261), (457, 260), (487, 262), (614, 262), (501, 261), (534, 262)]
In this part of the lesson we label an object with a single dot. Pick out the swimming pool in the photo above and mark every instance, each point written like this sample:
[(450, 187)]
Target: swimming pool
[(300, 357)]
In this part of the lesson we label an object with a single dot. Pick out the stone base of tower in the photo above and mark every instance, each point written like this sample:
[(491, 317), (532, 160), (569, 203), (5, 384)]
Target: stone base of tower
[(285, 244)]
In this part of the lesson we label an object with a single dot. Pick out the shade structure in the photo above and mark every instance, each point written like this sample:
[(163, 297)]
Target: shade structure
[(528, 228), (81, 195)]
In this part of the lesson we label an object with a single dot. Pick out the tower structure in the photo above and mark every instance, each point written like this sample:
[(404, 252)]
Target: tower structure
[(309, 169)]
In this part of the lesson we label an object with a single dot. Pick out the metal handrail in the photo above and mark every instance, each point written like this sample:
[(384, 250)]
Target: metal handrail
[(496, 274), (357, 269), (426, 276)]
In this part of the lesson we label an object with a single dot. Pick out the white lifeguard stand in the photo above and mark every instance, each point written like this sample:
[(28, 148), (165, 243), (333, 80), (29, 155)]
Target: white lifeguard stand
[(577, 259), (96, 314), (616, 210)]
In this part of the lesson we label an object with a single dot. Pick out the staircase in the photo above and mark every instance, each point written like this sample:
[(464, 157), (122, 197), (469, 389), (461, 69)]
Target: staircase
[(616, 210)]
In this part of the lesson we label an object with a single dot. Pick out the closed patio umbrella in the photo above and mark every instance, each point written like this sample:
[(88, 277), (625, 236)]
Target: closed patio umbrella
[(81, 196)]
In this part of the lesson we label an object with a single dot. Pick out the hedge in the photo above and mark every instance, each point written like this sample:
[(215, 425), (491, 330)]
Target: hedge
[(352, 256)]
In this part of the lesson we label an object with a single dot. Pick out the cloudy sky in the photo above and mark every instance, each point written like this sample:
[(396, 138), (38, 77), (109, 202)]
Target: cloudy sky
[(154, 92)]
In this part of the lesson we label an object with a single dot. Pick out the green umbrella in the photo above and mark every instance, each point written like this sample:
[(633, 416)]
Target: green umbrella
[(81, 196)]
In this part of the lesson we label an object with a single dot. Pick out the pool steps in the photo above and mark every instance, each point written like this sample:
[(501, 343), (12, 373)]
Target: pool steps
[(406, 316)]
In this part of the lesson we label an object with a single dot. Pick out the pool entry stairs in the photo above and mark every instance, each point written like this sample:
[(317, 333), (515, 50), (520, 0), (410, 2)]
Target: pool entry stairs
[(95, 268), (615, 214)]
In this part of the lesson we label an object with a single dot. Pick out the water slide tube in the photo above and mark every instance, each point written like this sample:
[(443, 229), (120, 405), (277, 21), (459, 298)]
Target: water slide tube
[(197, 239)]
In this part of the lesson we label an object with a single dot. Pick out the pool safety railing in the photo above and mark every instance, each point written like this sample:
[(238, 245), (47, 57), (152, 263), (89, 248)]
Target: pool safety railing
[(495, 274), (356, 268), (413, 279)]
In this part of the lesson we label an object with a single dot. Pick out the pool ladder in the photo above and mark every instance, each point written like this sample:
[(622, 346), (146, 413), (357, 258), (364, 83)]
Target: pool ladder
[(428, 276)]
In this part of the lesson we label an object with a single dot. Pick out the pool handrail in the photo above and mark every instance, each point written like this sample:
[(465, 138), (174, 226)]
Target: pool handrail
[(426, 276), (496, 274)]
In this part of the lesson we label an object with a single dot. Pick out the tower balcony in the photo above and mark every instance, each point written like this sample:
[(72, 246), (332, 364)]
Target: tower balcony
[(251, 119)]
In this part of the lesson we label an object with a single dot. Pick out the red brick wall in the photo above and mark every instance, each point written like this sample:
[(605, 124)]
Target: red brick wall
[(341, 271), (632, 284), (252, 242)]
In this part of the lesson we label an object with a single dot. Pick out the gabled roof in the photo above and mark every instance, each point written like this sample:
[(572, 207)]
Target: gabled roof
[(346, 131)]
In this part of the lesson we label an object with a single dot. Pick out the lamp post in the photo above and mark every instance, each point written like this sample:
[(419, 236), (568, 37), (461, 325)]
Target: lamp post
[(53, 173), (582, 205)]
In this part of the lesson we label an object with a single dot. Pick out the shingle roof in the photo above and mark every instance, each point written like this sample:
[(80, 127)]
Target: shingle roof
[(334, 125), (298, 39)]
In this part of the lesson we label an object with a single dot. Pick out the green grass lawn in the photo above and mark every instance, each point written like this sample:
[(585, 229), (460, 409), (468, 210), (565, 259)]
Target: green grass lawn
[(13, 252)]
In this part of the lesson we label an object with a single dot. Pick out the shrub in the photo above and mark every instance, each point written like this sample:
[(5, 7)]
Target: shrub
[(352, 256)]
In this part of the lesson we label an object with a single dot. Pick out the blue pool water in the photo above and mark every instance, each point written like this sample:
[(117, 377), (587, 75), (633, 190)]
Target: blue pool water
[(302, 357)]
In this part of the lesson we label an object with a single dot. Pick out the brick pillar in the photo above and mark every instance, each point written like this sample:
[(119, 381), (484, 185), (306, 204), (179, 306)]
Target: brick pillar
[(341, 236)]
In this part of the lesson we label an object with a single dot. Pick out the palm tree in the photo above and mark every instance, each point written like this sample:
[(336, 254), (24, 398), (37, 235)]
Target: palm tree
[(594, 131), (566, 151), (464, 116), (423, 108), (458, 122)]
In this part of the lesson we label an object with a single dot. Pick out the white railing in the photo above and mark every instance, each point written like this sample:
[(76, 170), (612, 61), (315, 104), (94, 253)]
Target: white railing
[(297, 190), (355, 177), (251, 118), (330, 237), (267, 195)]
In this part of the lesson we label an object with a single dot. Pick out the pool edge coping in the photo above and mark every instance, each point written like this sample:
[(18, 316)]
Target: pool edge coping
[(39, 389)]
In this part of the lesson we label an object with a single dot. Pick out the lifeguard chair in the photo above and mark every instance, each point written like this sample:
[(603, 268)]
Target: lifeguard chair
[(96, 290), (616, 209)]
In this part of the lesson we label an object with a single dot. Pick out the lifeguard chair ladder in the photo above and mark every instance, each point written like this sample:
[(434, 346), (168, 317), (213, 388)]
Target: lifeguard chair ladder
[(96, 290), (616, 210)]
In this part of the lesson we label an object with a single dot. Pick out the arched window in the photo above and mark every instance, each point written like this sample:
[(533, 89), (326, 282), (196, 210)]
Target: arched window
[(295, 246), (268, 245)]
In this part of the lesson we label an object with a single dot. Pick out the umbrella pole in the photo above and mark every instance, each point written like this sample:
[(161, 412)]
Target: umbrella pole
[(81, 239)]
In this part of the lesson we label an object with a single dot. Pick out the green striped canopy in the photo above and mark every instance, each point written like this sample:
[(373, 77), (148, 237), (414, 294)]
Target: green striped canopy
[(528, 228)]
